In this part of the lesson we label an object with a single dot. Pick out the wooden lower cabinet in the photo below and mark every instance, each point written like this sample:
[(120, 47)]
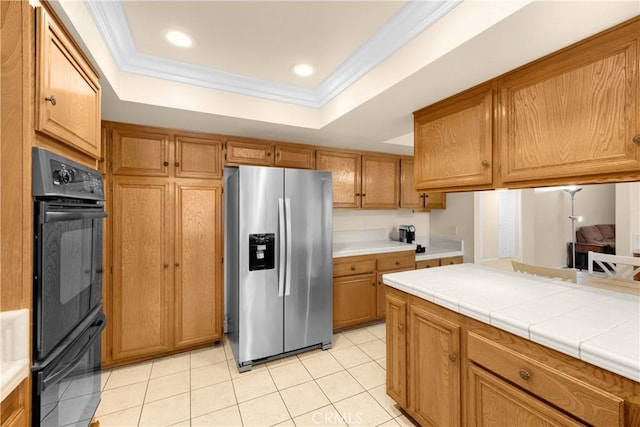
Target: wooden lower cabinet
[(167, 279), (354, 300), (446, 369), (14, 408), (497, 403), (433, 367)]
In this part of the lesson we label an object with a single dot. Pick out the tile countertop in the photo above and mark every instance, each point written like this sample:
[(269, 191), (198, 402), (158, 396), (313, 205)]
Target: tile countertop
[(14, 350), (368, 247), (598, 326)]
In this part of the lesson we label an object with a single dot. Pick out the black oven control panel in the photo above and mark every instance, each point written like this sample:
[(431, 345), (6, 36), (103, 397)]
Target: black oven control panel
[(56, 176)]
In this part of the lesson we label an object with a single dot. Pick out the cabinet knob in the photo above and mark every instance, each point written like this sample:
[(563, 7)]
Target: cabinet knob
[(52, 99), (357, 194), (524, 374), (353, 268), (277, 154), (453, 357), (165, 265), (177, 264), (397, 262), (177, 164), (268, 153), (400, 327), (363, 194), (485, 163), (636, 138), (165, 163), (373, 283)]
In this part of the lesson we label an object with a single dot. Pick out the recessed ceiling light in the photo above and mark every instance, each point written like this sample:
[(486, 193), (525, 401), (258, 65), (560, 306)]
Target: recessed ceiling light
[(303, 70), (178, 38)]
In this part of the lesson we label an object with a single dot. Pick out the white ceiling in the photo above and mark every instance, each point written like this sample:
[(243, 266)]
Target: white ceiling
[(376, 61)]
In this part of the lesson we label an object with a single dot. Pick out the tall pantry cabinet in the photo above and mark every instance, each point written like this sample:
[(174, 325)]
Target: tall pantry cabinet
[(166, 225)]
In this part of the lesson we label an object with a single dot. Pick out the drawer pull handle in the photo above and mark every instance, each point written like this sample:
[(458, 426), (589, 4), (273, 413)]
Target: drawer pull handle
[(52, 99), (524, 374), (636, 138), (453, 357), (353, 268)]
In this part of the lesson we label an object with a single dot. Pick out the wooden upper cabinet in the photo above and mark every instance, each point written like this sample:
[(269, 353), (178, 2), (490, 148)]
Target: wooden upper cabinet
[(247, 151), (453, 141), (294, 156), (410, 198), (67, 89), (574, 113), (380, 182), (345, 171), (138, 150), (198, 157)]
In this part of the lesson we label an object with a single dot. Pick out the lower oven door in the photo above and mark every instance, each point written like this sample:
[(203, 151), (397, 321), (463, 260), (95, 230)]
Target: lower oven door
[(67, 269), (66, 389)]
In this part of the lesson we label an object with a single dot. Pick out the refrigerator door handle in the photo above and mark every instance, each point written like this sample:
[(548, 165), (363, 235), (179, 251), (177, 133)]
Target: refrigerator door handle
[(287, 203), (282, 245)]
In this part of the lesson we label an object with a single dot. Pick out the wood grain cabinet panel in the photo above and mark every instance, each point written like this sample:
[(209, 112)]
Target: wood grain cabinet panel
[(292, 156), (345, 170), (354, 300), (396, 340), (434, 375), (141, 266), (246, 151), (67, 89), (380, 182), (496, 403), (197, 270), (139, 150), (454, 141), (198, 157), (574, 113), (410, 198)]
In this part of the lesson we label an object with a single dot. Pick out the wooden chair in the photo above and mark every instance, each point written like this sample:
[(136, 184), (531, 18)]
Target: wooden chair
[(616, 266), (568, 274)]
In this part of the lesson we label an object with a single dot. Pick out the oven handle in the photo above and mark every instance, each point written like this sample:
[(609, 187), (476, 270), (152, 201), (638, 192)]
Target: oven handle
[(71, 216), (55, 376)]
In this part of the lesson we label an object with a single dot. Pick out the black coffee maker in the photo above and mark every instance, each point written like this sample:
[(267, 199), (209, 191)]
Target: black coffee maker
[(406, 233)]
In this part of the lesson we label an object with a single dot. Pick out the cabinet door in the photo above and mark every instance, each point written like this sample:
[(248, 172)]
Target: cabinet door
[(138, 150), (380, 178), (494, 402), (453, 141), (345, 170), (434, 376), (354, 300), (288, 156), (198, 157), (248, 152), (573, 114), (142, 297), (198, 262), (67, 89), (435, 200), (396, 349), (409, 197)]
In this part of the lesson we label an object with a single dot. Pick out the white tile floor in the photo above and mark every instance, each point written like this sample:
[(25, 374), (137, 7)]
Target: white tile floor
[(344, 386)]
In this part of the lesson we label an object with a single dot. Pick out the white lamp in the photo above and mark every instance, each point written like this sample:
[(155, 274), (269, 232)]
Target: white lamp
[(572, 192)]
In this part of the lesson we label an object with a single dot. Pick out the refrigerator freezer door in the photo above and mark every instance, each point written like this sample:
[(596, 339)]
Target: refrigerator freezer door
[(308, 310), (260, 307)]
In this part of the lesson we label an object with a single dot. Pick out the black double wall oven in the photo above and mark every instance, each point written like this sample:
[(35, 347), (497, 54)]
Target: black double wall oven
[(67, 317)]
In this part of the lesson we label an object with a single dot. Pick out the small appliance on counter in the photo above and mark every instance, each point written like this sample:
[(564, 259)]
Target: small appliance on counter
[(406, 233)]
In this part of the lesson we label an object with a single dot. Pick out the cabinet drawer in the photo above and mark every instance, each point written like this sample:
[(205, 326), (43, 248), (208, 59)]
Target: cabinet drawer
[(397, 262), (451, 260), (355, 267), (429, 263), (584, 401)]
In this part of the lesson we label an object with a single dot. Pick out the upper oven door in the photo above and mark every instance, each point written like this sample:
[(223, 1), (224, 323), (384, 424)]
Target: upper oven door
[(67, 269)]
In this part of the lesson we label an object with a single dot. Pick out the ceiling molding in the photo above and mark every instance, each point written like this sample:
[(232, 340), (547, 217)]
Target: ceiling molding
[(411, 20)]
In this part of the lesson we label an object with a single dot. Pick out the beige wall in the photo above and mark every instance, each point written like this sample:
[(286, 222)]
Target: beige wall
[(362, 219), (627, 216), (459, 216)]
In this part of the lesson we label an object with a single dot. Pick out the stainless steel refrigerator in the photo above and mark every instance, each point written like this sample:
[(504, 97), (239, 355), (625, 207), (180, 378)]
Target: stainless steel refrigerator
[(278, 261)]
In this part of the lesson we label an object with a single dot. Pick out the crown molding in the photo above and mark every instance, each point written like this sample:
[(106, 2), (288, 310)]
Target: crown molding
[(411, 20)]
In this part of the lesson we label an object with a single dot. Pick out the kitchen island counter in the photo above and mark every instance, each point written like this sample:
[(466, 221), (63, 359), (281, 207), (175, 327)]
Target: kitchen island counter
[(586, 321)]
